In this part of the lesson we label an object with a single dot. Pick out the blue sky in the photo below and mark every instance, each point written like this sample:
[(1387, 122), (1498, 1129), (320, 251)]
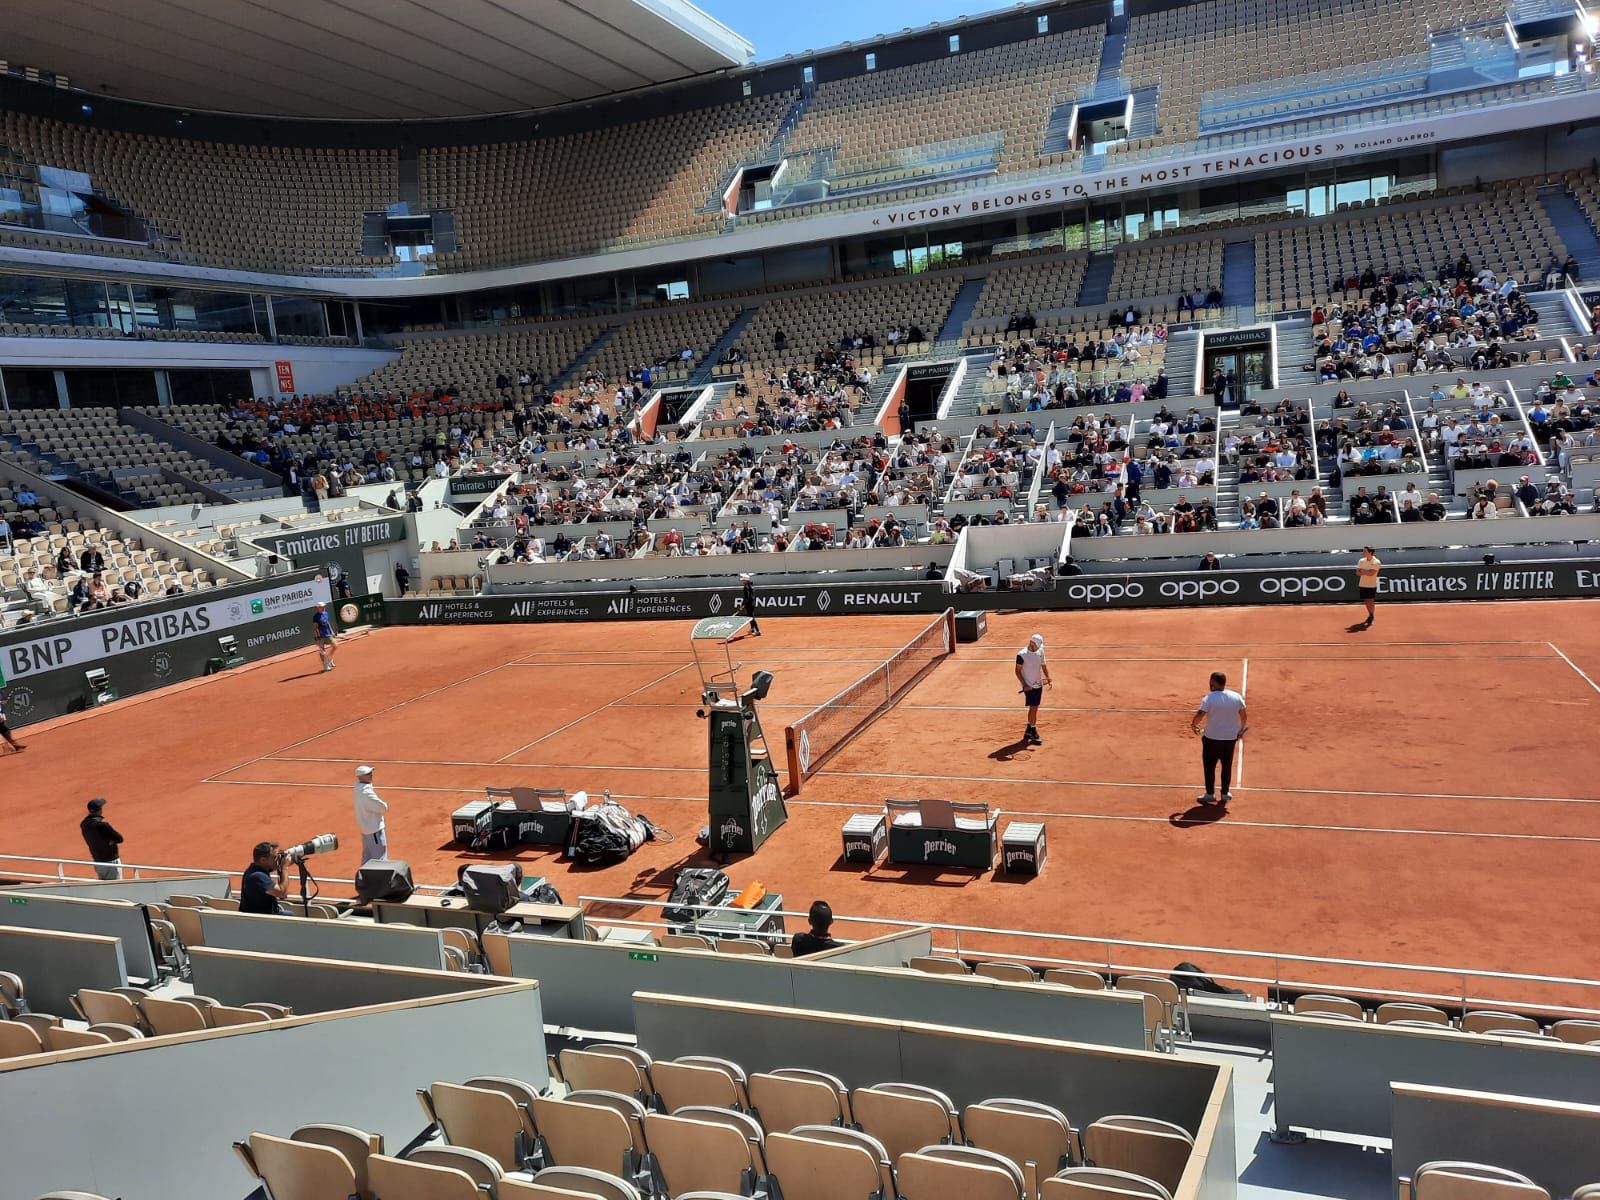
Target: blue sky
[(779, 29)]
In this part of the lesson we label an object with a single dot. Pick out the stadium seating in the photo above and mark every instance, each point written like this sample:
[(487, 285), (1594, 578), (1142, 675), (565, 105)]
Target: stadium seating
[(1005, 90), (1196, 48)]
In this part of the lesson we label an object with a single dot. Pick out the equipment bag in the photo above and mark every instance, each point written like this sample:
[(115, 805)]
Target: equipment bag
[(608, 831), (695, 889), (1191, 978)]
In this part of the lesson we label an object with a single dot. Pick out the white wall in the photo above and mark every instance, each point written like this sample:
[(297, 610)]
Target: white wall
[(157, 1120), (316, 368)]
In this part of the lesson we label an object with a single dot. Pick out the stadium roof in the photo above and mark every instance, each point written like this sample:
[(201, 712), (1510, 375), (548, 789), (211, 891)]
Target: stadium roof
[(367, 59)]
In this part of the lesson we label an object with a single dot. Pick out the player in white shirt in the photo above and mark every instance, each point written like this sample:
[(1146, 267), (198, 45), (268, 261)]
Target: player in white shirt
[(371, 813), (1033, 674), (1220, 722)]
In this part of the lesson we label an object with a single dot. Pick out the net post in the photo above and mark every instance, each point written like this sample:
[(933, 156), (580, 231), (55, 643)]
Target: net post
[(792, 752)]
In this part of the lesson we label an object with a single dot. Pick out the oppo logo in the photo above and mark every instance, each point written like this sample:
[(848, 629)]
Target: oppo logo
[(1199, 589), (1105, 593), (1302, 585)]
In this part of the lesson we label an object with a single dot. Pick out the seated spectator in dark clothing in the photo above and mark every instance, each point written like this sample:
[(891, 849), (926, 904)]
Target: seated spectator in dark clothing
[(1209, 563), (816, 939)]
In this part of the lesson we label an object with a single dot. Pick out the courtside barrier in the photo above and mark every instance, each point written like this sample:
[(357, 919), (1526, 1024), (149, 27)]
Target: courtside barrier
[(1549, 579), (142, 647)]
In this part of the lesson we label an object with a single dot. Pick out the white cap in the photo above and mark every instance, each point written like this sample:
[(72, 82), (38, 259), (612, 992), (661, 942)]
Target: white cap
[(362, 772)]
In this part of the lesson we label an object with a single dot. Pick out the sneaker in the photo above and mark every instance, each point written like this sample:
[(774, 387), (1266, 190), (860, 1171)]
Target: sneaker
[(1227, 797), (1208, 798), (326, 667)]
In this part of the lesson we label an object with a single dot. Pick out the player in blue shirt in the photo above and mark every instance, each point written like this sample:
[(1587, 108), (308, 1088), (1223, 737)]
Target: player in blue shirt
[(323, 626)]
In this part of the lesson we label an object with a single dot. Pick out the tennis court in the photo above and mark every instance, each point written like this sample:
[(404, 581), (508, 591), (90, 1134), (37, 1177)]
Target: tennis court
[(1422, 792)]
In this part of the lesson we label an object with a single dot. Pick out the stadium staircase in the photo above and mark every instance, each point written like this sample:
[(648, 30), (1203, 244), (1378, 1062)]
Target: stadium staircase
[(970, 393), (1296, 353), (1239, 274), (1183, 349), (1227, 476), (1096, 287), (1576, 231), (585, 357), (701, 375), (960, 312), (1555, 318), (1058, 129)]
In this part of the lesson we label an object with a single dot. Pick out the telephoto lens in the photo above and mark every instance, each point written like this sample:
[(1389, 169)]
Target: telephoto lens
[(320, 844)]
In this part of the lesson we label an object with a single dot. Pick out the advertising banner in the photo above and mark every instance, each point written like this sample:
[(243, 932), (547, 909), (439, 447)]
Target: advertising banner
[(1176, 589), (360, 610), (150, 645), (285, 370), (337, 549), (475, 485)]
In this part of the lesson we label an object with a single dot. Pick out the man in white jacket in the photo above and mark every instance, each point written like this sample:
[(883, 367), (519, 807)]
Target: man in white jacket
[(370, 814)]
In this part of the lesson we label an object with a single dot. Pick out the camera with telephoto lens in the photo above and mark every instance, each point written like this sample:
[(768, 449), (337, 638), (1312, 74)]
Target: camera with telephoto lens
[(320, 844)]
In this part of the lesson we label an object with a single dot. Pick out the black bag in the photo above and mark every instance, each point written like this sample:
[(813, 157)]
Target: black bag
[(543, 893), (1191, 978), (695, 889)]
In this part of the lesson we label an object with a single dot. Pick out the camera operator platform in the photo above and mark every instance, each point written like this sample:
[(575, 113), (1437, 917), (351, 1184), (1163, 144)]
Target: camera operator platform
[(745, 799)]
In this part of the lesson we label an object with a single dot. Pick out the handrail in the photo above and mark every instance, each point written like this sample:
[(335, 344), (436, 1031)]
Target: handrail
[(1277, 981)]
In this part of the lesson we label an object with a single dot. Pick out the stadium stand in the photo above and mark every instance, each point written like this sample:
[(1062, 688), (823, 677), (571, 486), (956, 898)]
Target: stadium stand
[(1195, 48), (989, 110)]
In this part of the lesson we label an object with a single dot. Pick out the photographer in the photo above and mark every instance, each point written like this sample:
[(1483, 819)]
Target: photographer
[(263, 884)]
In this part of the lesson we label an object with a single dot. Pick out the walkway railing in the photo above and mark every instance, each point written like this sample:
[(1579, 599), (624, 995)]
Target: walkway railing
[(1273, 975)]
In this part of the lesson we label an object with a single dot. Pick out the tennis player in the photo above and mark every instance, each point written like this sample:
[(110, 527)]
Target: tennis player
[(1033, 673), (5, 730), (1367, 568), (1220, 723), (324, 635)]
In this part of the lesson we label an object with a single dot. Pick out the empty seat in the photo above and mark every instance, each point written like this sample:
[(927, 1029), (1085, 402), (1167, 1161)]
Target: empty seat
[(939, 964), (1327, 1006), (683, 1083), (410, 1179), (1101, 1183), (1156, 1149), (785, 1100), (17, 1039), (480, 1167), (558, 1183), (294, 1170), (1580, 1032), (961, 1171), (1036, 1137), (61, 1038), (905, 1117), (1010, 972), (576, 1133), (1472, 1181), (1074, 977), (357, 1145), (695, 1154), (172, 1016), (1388, 1014), (811, 1168), (608, 1069), (1498, 1022), (483, 1119)]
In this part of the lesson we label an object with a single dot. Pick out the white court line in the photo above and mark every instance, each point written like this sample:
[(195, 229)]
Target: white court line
[(1238, 750), (1094, 783), (1574, 666), (1225, 823), (593, 712)]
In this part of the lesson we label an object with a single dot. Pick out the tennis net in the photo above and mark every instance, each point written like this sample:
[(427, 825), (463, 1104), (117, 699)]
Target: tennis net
[(825, 730)]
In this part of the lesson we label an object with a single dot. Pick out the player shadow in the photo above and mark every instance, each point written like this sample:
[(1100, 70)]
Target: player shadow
[(1009, 751), (1198, 815), (311, 674), (1358, 627)]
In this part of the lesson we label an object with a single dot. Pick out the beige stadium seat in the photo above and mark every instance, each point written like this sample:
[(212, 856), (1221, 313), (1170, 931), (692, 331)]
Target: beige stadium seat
[(1395, 1011), (1174, 1007), (101, 1008), (357, 1146), (17, 1039), (1327, 1006), (935, 964), (1158, 1150), (810, 1168), (294, 1170), (1009, 972), (608, 1069), (223, 1015), (1472, 1181), (1578, 1032), (905, 1117), (681, 1084), (693, 1153), (1036, 1137), (413, 1180), (563, 1183), (1073, 977), (1483, 1021), (482, 1119), (1101, 1183), (476, 1165), (597, 1136), (786, 1100), (941, 1171), (61, 1038)]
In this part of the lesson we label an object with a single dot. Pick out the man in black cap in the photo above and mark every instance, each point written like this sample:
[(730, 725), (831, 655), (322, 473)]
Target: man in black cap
[(103, 840)]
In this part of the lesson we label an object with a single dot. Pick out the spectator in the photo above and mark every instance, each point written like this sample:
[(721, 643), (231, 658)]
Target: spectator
[(1209, 563), (371, 817), (104, 842), (402, 578), (817, 938)]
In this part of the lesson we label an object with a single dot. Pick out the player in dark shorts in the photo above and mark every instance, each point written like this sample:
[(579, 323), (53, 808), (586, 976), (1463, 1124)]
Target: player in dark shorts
[(1034, 676), (1367, 569), (5, 730), (324, 635)]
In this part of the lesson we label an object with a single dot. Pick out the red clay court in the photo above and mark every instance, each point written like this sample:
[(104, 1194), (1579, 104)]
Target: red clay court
[(1420, 793)]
